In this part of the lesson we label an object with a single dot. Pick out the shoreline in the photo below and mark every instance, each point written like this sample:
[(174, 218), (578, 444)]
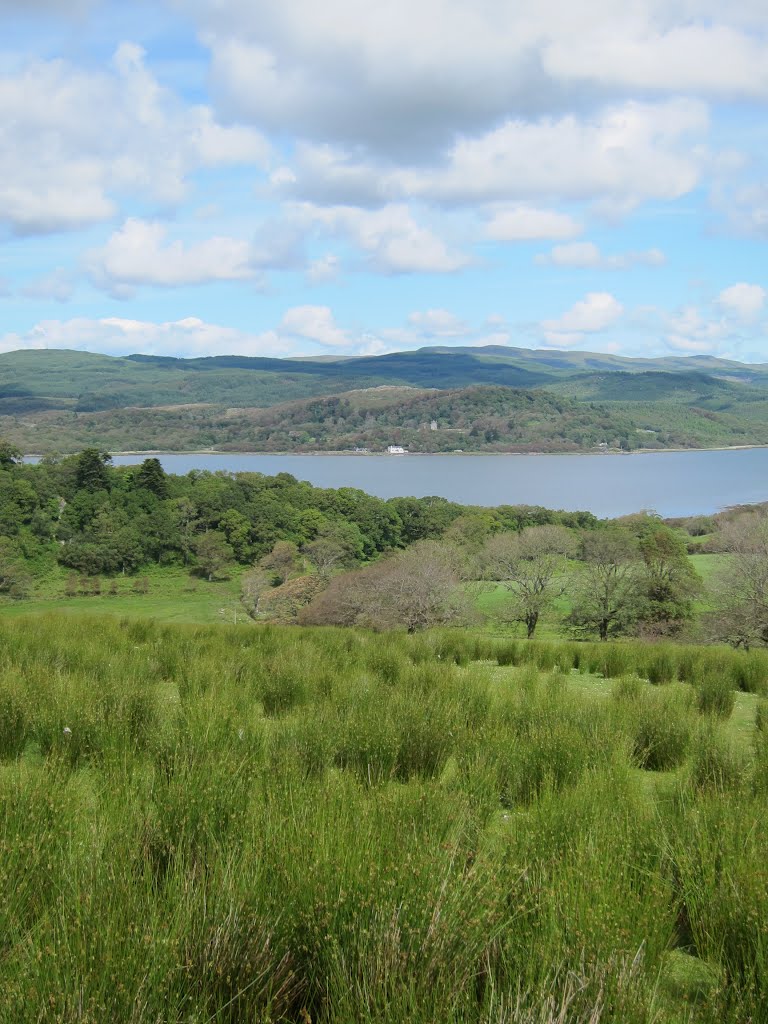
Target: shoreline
[(149, 453)]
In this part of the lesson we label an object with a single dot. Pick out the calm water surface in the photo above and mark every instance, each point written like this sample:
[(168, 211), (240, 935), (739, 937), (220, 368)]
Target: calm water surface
[(671, 483)]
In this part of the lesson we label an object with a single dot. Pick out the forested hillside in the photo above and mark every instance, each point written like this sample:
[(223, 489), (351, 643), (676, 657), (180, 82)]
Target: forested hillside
[(493, 399)]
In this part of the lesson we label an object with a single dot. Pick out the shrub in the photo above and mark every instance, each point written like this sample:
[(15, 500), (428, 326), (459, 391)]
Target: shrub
[(659, 724), (715, 696)]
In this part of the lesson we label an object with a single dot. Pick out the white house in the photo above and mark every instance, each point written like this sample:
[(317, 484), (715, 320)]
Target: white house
[(396, 449)]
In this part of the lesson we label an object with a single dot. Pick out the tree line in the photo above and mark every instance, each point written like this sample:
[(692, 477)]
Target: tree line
[(341, 556), (94, 518)]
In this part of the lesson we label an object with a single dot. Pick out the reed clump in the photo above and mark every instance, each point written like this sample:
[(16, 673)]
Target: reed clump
[(231, 824)]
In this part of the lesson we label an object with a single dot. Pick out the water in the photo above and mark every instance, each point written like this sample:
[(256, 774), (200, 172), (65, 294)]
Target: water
[(670, 483)]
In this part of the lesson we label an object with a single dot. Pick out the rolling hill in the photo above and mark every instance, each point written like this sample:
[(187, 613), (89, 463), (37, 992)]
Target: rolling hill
[(492, 399)]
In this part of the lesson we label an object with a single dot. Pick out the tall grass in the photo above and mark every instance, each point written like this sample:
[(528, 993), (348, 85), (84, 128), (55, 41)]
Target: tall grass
[(238, 824)]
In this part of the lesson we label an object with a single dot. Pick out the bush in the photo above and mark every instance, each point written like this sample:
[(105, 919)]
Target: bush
[(658, 724), (715, 696), (715, 765)]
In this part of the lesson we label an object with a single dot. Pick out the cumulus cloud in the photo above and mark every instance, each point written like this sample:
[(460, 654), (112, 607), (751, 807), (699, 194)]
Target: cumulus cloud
[(527, 223), (117, 336), (317, 324), (595, 312), (588, 255), (629, 153), (438, 323), (325, 268), (392, 239), (58, 285), (138, 254), (73, 142), (704, 58), (620, 155), (688, 330), (401, 78), (745, 301)]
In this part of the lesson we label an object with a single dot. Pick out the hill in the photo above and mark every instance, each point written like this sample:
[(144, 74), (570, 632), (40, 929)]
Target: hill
[(63, 400)]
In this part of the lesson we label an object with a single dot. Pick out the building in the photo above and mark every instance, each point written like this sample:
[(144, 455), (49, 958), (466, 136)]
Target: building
[(395, 449)]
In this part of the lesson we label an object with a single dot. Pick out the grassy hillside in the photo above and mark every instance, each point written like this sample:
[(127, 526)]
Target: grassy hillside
[(214, 825)]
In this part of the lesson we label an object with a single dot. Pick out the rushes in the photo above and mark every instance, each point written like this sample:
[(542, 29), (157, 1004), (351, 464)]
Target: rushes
[(247, 824)]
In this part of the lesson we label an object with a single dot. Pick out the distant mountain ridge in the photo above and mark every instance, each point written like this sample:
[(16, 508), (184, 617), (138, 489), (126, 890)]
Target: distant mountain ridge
[(64, 399)]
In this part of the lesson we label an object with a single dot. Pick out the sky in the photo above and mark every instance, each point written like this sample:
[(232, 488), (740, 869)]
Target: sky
[(281, 177)]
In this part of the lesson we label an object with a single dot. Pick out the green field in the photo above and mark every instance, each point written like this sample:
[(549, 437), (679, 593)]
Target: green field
[(253, 823), (173, 596)]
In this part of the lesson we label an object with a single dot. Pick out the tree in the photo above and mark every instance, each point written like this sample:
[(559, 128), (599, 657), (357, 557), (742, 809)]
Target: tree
[(184, 517), (336, 546), (212, 553), (15, 581), (152, 477), (237, 530), (254, 584), (531, 565), (10, 455), (415, 589), (608, 592), (281, 561), (91, 470), (740, 590), (671, 582)]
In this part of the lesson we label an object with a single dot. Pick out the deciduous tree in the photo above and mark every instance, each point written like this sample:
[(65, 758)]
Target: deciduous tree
[(531, 565), (608, 591), (740, 587)]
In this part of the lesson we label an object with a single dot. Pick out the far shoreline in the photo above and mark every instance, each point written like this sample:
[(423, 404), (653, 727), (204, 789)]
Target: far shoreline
[(149, 453)]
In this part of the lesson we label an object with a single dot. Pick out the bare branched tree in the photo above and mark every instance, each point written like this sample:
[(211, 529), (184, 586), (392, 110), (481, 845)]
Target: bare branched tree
[(416, 588), (740, 588), (531, 565)]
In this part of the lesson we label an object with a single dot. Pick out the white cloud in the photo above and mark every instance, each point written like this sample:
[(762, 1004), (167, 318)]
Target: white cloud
[(746, 207), (117, 336), (438, 323), (74, 142), (746, 301), (401, 78), (325, 268), (139, 254), (588, 255), (708, 59), (690, 331), (626, 153), (391, 237), (317, 324), (58, 285), (620, 155), (595, 312), (527, 223)]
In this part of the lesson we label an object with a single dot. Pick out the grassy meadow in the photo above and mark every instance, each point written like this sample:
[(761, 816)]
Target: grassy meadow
[(166, 594), (254, 823)]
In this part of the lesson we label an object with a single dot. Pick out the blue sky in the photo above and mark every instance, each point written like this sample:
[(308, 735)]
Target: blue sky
[(199, 177)]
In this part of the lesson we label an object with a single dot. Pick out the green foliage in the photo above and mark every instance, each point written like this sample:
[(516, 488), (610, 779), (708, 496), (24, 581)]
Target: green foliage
[(715, 695), (659, 724), (70, 400), (255, 823)]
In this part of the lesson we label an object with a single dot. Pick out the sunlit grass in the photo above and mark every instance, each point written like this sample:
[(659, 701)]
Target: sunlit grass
[(226, 824)]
